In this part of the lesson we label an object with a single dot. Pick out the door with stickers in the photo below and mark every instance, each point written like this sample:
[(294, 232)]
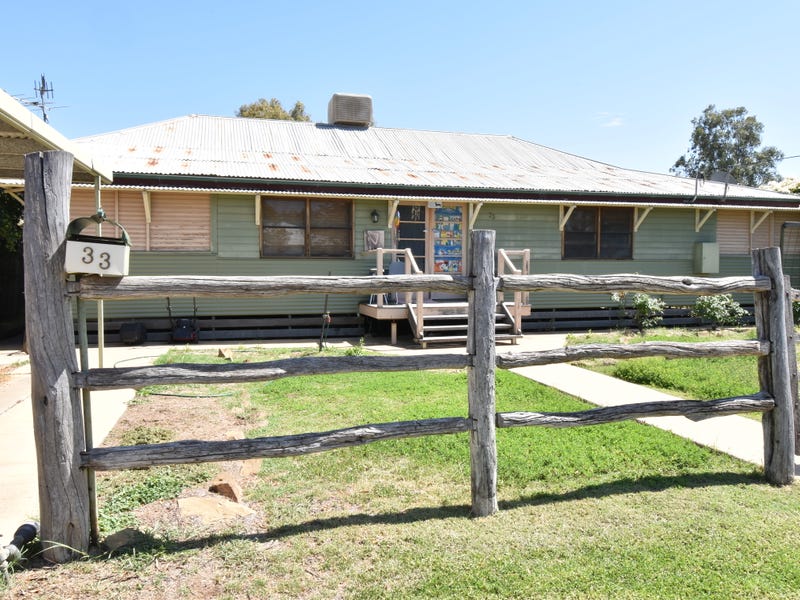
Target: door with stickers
[(435, 235)]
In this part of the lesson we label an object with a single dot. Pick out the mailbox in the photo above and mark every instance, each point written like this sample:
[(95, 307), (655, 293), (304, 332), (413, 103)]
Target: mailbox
[(91, 254)]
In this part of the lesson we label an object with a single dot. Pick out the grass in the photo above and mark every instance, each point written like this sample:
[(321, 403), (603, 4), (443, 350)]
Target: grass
[(613, 511), (700, 379), (128, 490)]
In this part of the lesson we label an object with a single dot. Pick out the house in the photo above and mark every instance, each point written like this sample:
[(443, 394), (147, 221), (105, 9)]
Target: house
[(222, 195)]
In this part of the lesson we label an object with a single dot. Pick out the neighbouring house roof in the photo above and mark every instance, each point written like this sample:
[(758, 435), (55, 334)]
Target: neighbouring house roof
[(231, 148), (22, 132)]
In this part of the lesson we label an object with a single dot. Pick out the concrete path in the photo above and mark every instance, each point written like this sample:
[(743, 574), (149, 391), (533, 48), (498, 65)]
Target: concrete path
[(738, 436), (19, 498), (733, 434)]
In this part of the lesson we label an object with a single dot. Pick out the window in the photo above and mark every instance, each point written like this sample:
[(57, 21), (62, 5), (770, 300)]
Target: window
[(306, 227), (603, 232)]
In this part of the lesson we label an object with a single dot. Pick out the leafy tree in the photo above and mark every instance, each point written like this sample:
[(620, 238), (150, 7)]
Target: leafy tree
[(788, 185), (10, 218), (272, 109), (728, 140)]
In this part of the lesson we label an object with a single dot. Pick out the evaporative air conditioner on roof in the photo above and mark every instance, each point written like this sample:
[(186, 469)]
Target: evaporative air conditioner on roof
[(350, 109)]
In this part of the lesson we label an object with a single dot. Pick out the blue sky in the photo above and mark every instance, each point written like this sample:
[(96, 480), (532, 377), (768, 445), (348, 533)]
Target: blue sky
[(615, 81)]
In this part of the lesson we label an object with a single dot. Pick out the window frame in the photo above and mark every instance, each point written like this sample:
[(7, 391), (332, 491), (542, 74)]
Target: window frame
[(598, 252), (310, 229)]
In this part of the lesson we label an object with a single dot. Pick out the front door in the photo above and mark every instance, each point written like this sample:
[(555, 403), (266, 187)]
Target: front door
[(435, 235)]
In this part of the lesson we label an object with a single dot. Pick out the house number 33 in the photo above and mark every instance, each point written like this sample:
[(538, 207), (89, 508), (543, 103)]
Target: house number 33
[(104, 261)]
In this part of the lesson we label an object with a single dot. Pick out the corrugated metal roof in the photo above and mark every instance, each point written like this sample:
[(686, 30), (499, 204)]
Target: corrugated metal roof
[(230, 147)]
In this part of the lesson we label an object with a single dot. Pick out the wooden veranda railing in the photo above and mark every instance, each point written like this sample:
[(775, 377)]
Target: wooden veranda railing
[(505, 263), (410, 268), (66, 460)]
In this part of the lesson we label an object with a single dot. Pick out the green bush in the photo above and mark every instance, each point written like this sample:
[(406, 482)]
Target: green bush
[(720, 310), (649, 310)]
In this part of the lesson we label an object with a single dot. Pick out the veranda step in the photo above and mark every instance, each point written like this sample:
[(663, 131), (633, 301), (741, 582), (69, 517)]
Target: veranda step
[(462, 327), (452, 327), (463, 338), (454, 317)]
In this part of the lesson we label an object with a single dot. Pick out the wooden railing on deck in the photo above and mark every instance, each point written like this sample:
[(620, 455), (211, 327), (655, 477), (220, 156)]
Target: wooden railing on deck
[(504, 262), (411, 268)]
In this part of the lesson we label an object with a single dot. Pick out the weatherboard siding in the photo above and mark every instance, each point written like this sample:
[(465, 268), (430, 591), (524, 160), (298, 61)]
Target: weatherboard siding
[(237, 231), (180, 222), (524, 226), (664, 245), (237, 253), (668, 235)]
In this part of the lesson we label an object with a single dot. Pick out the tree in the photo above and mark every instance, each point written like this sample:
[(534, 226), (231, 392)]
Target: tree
[(10, 219), (728, 140), (787, 185), (272, 109)]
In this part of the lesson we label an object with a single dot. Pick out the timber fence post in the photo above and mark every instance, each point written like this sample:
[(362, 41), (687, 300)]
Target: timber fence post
[(775, 371), (481, 375), (57, 418)]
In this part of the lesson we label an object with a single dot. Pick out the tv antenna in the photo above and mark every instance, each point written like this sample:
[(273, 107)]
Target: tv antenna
[(44, 94)]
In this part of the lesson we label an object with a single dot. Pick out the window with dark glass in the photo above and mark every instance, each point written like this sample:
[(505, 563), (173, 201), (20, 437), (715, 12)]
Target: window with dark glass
[(599, 232), (306, 227)]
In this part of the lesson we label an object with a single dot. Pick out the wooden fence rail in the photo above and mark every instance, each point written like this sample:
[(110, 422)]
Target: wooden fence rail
[(189, 373), (567, 282), (146, 287), (65, 457)]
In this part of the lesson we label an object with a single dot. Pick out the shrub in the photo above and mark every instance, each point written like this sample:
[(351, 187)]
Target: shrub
[(796, 312), (719, 310), (649, 311)]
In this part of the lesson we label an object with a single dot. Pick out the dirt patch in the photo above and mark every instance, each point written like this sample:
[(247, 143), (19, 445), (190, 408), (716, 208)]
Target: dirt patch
[(165, 558), (182, 415)]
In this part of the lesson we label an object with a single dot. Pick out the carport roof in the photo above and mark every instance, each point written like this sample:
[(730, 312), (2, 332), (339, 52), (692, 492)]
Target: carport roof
[(22, 132)]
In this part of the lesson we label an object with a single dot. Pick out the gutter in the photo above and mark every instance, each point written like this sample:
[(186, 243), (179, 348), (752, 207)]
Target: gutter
[(561, 201)]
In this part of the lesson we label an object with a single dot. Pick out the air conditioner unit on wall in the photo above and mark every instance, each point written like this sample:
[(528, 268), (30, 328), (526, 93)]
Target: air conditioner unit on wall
[(350, 109)]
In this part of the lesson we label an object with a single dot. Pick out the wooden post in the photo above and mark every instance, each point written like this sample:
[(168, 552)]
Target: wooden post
[(57, 420), (481, 345), (775, 370)]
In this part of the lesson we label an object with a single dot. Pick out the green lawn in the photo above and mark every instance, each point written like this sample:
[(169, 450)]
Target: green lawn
[(699, 379), (611, 511)]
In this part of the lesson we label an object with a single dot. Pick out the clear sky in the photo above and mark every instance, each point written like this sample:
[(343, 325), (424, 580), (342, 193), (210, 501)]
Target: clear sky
[(612, 80)]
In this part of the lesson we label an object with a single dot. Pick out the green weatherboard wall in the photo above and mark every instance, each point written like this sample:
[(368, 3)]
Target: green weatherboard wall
[(664, 245)]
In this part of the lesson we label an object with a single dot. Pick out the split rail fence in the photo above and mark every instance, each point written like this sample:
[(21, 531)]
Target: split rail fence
[(67, 460)]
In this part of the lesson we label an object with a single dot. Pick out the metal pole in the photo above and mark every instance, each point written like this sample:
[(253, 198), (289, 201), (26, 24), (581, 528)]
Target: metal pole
[(83, 339), (101, 321)]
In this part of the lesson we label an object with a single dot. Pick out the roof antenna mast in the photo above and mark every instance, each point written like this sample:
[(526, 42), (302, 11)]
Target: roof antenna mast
[(44, 93)]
